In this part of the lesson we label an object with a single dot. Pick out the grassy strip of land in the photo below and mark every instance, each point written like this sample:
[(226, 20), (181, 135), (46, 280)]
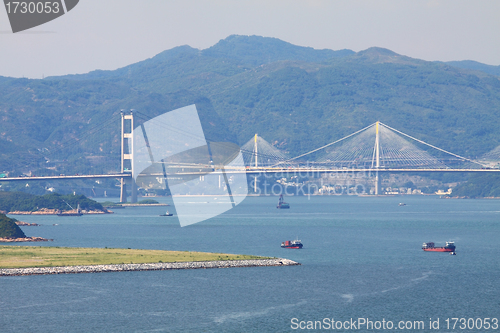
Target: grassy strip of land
[(30, 256)]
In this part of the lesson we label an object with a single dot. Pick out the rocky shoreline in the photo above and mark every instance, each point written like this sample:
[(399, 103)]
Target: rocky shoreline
[(24, 239), (46, 211), (146, 267), (26, 224)]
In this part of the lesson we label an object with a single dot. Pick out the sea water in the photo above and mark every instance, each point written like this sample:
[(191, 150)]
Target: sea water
[(362, 262)]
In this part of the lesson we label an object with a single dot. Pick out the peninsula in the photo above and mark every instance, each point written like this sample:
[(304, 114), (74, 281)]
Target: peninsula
[(10, 231), (27, 260)]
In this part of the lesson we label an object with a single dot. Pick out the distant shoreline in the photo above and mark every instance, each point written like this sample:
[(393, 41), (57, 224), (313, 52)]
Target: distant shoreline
[(24, 239), (147, 267), (467, 197), (47, 211), (142, 205)]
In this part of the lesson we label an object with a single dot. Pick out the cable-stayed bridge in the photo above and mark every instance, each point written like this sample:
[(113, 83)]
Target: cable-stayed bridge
[(375, 147)]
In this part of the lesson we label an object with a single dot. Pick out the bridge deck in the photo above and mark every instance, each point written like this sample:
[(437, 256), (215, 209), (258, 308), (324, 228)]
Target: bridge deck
[(27, 178), (250, 171)]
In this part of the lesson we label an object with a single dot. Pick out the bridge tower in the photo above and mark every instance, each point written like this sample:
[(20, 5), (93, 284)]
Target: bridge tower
[(377, 157), (255, 151), (127, 156)]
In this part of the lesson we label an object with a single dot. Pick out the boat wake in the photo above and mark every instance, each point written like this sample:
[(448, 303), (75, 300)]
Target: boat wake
[(424, 276), (349, 297), (412, 282), (252, 314)]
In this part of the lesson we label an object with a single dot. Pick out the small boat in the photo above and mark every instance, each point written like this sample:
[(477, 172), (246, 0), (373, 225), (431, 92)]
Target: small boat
[(282, 204), (167, 214), (295, 244), (430, 247), (402, 204)]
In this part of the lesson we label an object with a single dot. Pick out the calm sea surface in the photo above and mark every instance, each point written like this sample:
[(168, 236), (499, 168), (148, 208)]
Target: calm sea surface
[(362, 258)]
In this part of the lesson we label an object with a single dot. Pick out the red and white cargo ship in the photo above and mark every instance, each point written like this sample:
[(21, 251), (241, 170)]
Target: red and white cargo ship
[(450, 247), (295, 244)]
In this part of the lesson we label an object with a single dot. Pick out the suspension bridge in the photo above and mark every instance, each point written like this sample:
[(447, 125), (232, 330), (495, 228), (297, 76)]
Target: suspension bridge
[(377, 148)]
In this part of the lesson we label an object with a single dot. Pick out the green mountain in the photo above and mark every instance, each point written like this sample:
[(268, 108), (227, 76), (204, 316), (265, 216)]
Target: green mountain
[(9, 228), (306, 105), (295, 97), (477, 66), (256, 51), (479, 186)]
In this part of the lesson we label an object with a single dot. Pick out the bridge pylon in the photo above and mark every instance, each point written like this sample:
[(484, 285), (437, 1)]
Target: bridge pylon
[(127, 156), (377, 157), (255, 151)]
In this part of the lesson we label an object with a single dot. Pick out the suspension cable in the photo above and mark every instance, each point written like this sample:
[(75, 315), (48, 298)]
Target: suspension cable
[(427, 144), (315, 150)]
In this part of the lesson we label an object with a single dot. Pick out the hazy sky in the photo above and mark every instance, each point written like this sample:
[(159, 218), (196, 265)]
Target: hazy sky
[(109, 34)]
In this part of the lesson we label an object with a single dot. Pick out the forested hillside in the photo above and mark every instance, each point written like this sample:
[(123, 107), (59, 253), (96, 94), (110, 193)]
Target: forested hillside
[(18, 201), (479, 186), (296, 97), (9, 228)]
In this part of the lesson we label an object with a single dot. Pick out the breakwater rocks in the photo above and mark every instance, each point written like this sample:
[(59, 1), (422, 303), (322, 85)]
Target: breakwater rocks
[(147, 267)]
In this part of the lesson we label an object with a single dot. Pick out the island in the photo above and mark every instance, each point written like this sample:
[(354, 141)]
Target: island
[(20, 203)]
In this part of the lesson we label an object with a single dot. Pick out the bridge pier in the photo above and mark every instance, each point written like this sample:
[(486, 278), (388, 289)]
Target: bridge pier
[(377, 184), (123, 191), (133, 196)]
